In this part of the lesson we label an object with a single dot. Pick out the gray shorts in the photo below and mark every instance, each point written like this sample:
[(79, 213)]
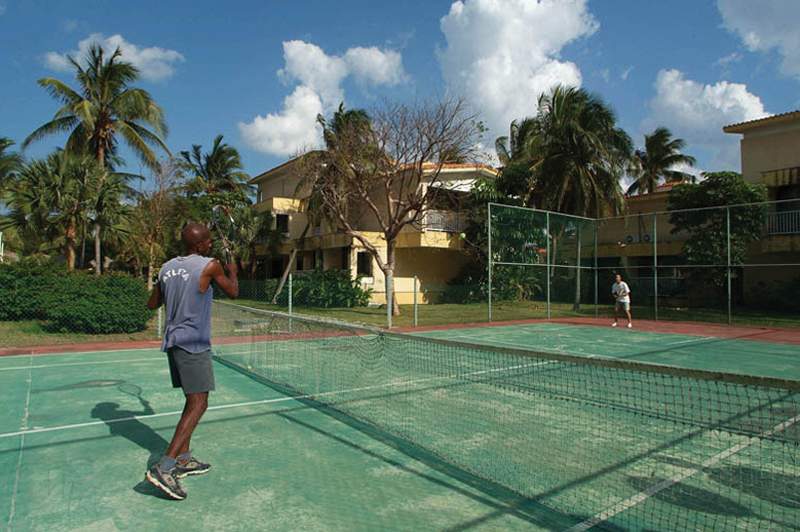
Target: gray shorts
[(623, 305), (191, 371)]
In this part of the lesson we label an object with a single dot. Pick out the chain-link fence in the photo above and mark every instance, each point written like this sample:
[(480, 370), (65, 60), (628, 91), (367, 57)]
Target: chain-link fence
[(732, 264)]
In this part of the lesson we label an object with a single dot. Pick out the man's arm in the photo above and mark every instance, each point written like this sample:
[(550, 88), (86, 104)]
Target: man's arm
[(155, 299), (227, 283)]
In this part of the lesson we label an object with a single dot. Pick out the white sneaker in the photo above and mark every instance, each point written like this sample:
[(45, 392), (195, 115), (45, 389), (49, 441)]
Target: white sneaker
[(630, 326), (614, 324)]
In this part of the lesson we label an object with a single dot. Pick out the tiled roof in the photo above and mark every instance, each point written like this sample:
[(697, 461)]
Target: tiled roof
[(741, 127)]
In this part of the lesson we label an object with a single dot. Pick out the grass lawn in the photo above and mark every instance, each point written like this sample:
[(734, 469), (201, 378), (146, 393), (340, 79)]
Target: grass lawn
[(33, 332)]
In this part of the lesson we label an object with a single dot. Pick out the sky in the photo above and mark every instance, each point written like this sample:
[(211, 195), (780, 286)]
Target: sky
[(259, 72)]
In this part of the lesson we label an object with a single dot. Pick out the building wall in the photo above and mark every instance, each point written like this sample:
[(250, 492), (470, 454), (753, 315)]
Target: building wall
[(770, 148)]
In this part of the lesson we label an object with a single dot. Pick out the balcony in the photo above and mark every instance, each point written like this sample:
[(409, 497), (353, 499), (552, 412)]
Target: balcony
[(444, 221), (783, 223)]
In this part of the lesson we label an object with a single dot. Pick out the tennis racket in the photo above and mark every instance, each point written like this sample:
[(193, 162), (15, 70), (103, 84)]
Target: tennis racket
[(225, 227)]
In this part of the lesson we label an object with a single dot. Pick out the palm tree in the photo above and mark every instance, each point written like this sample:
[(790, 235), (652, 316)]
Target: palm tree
[(104, 108), (580, 154), (51, 199), (661, 154), (10, 163), (216, 173)]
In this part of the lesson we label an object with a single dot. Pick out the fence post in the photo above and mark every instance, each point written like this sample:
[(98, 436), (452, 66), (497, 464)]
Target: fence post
[(389, 303), (290, 302), (160, 318), (655, 266), (547, 231), (415, 301), (728, 231), (596, 274), (489, 285)]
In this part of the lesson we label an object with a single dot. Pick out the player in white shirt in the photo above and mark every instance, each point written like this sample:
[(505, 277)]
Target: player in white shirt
[(622, 299)]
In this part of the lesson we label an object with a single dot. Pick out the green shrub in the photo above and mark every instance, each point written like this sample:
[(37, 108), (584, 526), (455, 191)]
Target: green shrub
[(508, 284), (775, 295), (24, 286), (112, 303), (322, 289)]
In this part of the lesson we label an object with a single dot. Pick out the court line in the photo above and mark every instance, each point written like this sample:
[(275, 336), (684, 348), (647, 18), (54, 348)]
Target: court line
[(25, 417), (265, 401), (642, 496), (98, 352), (121, 361)]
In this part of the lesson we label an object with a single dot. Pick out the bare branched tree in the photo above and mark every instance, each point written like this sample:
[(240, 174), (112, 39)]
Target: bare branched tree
[(382, 171)]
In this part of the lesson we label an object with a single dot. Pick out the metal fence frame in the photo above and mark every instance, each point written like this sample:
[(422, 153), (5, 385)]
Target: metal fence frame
[(786, 229)]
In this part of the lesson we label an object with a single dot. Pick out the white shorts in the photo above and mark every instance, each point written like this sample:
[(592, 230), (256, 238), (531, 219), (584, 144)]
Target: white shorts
[(623, 305)]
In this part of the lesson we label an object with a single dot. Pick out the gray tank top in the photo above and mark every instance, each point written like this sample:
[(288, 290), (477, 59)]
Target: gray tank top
[(188, 311)]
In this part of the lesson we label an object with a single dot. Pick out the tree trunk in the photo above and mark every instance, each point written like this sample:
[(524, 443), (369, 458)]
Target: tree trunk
[(83, 247), (389, 275), (150, 267), (292, 258), (70, 237), (101, 160), (97, 262)]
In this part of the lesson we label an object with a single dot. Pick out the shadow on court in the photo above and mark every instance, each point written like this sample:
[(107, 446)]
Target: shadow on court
[(136, 432)]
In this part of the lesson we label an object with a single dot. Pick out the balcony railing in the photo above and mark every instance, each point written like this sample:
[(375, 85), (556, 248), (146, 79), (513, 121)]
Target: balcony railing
[(783, 223), (446, 221)]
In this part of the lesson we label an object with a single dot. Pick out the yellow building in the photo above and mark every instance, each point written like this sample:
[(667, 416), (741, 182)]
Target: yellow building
[(431, 250)]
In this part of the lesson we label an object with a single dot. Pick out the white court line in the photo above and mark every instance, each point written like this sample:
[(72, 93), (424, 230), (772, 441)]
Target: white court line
[(98, 352), (542, 349), (121, 361), (262, 401), (642, 496), (25, 417)]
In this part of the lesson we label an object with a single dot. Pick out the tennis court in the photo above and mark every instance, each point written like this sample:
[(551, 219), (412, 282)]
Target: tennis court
[(318, 425)]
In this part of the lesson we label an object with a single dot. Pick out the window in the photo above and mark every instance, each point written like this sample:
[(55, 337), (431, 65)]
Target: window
[(299, 262), (345, 258), (364, 266), (282, 223)]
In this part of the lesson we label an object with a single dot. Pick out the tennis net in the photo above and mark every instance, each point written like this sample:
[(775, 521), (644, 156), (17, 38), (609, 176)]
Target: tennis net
[(606, 443)]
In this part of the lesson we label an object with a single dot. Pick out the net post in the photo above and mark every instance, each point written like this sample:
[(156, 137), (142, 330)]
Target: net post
[(547, 230), (416, 283), (290, 302), (655, 266), (389, 303), (728, 231), (596, 274), (489, 249)]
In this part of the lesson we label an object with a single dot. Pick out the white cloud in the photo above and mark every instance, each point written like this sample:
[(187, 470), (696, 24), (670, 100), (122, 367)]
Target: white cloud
[(605, 74), (765, 25), (626, 73), (319, 79), (725, 61), (154, 63), (502, 55), (697, 112), (291, 130), (2, 8)]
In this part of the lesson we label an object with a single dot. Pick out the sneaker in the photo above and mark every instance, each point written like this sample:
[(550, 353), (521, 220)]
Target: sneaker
[(614, 324), (192, 467), (166, 481), (630, 326)]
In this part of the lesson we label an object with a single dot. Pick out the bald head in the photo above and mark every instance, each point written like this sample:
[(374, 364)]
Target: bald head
[(196, 238)]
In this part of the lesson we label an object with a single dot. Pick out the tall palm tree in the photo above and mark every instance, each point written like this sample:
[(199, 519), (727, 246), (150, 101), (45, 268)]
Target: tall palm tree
[(580, 153), (217, 172), (661, 154), (517, 145), (10, 163), (51, 199), (104, 108)]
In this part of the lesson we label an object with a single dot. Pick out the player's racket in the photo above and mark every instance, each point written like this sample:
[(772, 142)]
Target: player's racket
[(223, 223)]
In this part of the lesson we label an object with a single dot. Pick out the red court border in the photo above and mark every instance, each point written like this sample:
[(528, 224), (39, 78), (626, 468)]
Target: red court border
[(760, 334)]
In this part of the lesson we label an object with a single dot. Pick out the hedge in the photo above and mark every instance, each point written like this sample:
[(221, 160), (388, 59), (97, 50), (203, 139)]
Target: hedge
[(73, 302)]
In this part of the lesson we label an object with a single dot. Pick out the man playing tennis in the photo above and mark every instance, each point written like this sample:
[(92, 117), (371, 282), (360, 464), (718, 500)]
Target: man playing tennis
[(622, 299), (184, 287)]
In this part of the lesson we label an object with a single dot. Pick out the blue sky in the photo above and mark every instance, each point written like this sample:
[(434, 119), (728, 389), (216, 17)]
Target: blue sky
[(258, 72)]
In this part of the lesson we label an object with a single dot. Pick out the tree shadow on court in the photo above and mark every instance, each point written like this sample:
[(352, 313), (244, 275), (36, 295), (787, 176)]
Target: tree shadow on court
[(122, 423)]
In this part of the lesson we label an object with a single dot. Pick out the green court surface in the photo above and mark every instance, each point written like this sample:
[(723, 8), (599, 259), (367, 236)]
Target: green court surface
[(731, 355), (278, 464)]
